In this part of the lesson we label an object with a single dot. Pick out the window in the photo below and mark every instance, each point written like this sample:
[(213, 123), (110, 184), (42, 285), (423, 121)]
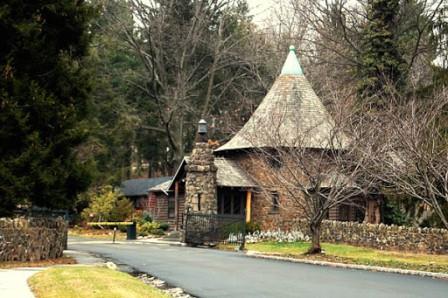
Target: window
[(237, 202), (171, 207), (220, 203), (275, 202), (199, 202), (230, 202), (196, 202), (228, 205)]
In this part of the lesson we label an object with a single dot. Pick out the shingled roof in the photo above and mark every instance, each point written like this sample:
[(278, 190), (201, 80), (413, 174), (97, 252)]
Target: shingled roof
[(140, 187), (229, 174), (290, 115)]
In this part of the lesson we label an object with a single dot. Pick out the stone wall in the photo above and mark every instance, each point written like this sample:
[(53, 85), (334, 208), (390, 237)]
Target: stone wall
[(386, 237), (32, 239), (200, 181)]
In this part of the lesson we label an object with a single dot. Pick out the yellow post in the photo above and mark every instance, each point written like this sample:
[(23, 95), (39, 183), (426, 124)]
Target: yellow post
[(248, 205)]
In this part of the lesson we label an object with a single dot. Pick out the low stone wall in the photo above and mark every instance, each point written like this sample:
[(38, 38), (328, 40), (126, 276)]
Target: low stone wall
[(386, 237), (32, 239)]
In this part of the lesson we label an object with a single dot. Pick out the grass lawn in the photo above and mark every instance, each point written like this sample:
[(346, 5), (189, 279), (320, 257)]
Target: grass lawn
[(349, 254), (89, 281), (43, 263), (100, 234)]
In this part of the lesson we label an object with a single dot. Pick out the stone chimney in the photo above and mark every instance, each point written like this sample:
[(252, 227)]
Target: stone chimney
[(200, 183)]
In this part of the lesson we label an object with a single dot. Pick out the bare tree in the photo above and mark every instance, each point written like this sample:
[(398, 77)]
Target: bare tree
[(194, 58), (330, 36), (410, 152)]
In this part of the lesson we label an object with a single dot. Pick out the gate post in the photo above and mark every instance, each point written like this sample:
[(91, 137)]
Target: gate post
[(243, 232), (184, 240)]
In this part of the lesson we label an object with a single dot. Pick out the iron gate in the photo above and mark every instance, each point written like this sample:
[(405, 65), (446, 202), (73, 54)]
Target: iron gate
[(211, 229)]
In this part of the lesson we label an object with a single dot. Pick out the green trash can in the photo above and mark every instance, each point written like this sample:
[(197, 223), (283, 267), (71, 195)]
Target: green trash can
[(131, 231)]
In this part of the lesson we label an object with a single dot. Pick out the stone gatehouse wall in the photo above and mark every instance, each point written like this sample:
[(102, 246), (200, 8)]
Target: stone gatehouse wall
[(200, 180), (32, 239), (380, 236)]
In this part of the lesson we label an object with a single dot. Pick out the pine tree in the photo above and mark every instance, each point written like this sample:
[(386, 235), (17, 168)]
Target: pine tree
[(382, 67), (44, 91), (113, 119)]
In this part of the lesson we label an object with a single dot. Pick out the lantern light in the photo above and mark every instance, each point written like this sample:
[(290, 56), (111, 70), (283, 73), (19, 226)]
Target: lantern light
[(202, 127)]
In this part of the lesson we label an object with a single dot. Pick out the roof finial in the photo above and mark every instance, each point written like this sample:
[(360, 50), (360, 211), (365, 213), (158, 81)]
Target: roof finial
[(292, 65)]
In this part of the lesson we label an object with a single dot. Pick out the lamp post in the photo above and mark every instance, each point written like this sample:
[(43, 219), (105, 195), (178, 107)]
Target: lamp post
[(202, 131)]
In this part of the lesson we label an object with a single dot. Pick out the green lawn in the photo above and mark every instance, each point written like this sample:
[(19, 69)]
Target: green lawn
[(356, 255), (90, 282)]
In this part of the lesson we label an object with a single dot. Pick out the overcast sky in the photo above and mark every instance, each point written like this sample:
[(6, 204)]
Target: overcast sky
[(260, 8)]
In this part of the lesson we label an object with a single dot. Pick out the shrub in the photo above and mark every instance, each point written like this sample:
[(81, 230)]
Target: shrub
[(164, 226), (145, 217), (107, 204), (122, 210), (101, 204), (148, 228)]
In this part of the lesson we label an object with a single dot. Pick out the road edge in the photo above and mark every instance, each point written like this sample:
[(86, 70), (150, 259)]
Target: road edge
[(255, 254)]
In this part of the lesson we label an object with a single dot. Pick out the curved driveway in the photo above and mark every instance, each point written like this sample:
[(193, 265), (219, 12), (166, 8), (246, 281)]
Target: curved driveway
[(213, 273)]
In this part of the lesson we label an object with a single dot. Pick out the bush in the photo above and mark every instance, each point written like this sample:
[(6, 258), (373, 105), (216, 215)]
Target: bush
[(145, 217), (101, 203), (164, 226), (105, 204), (149, 228), (122, 210)]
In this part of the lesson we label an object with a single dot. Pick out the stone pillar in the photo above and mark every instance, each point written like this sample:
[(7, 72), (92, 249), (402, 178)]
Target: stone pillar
[(200, 183)]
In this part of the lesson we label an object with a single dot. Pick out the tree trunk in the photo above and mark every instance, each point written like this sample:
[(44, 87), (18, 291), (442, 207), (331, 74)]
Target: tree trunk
[(315, 239)]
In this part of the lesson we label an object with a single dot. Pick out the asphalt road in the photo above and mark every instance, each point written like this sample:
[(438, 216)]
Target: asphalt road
[(211, 273)]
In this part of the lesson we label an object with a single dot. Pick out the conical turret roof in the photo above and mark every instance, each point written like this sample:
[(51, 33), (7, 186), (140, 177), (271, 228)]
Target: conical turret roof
[(290, 115)]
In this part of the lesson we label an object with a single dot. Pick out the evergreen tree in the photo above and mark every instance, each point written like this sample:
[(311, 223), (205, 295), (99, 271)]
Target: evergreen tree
[(44, 91), (114, 118), (382, 67)]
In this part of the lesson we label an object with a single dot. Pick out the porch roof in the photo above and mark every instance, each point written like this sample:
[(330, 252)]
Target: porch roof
[(140, 186), (229, 174)]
